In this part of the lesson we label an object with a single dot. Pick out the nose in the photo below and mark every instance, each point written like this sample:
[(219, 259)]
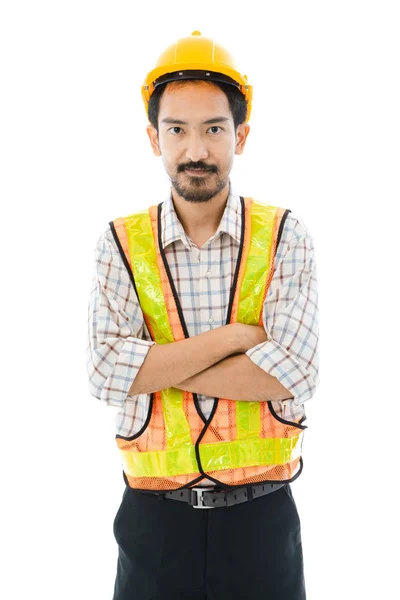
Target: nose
[(196, 150)]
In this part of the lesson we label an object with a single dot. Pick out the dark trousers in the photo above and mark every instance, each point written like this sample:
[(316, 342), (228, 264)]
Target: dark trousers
[(168, 550)]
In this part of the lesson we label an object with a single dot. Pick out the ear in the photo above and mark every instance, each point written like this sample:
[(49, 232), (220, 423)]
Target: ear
[(153, 136), (242, 132)]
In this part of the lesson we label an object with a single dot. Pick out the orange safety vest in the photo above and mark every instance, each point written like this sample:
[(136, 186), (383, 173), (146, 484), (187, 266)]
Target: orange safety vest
[(242, 442)]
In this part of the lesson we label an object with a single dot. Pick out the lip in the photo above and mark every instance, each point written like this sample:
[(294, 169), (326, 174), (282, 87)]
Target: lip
[(198, 173)]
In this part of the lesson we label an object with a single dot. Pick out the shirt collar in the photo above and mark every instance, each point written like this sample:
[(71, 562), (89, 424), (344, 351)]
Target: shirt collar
[(172, 229)]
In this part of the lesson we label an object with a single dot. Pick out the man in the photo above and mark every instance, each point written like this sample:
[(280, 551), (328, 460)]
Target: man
[(203, 330)]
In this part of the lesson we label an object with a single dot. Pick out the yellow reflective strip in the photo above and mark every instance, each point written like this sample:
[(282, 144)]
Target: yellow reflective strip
[(214, 457), (248, 420), (163, 463), (248, 453), (257, 264), (142, 249), (176, 425), (248, 414)]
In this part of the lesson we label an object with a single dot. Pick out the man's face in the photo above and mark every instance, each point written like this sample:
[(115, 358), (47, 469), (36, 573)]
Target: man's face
[(194, 143)]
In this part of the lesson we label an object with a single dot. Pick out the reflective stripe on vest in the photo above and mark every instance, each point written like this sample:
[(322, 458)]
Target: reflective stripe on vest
[(241, 442)]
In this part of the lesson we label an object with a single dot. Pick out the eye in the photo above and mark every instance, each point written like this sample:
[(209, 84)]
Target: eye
[(216, 127)]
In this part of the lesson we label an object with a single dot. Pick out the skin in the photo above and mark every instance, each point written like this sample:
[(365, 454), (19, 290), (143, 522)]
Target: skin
[(199, 200)]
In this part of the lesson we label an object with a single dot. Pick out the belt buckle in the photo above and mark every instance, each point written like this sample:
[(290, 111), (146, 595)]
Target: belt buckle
[(199, 498)]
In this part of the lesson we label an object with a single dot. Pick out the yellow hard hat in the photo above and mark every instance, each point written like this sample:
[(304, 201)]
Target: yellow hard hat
[(196, 57)]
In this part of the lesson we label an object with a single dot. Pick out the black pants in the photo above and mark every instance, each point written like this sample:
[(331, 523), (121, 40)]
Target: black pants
[(168, 550)]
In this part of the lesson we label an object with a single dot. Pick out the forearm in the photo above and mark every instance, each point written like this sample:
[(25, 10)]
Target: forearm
[(236, 378), (168, 364)]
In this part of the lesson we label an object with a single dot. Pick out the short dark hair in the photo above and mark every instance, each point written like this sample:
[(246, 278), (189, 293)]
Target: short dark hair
[(237, 101)]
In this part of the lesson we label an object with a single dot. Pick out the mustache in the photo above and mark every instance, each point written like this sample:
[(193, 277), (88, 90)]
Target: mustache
[(199, 166)]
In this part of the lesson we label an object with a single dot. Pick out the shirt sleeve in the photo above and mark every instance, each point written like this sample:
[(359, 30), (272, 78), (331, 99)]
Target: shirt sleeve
[(115, 349), (291, 317)]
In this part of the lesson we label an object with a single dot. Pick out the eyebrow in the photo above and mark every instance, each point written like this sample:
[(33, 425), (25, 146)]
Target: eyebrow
[(208, 122)]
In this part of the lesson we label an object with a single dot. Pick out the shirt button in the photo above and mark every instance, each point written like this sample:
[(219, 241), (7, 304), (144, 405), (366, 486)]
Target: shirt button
[(208, 274), (211, 321)]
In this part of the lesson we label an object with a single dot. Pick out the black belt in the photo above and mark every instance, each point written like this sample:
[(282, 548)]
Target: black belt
[(209, 497)]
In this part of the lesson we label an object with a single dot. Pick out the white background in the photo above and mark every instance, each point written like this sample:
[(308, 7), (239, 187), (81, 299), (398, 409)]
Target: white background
[(324, 142)]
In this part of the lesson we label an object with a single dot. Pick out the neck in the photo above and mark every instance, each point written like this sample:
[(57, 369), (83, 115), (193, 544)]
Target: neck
[(199, 218)]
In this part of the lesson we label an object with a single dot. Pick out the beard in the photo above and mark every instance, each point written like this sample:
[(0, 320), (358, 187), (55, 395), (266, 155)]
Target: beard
[(198, 189)]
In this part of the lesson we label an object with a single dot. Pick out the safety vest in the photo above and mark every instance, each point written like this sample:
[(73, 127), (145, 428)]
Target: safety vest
[(242, 442)]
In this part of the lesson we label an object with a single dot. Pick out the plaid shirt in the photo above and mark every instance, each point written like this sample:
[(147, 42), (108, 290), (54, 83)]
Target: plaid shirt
[(118, 338)]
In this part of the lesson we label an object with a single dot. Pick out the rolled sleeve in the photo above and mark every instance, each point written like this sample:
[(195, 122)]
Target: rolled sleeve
[(291, 318), (115, 349)]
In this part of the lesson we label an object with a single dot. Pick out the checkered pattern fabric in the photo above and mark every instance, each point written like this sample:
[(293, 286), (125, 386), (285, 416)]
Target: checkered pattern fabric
[(118, 339)]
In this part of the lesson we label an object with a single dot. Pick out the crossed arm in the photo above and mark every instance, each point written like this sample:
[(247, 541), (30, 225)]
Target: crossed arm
[(236, 378)]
